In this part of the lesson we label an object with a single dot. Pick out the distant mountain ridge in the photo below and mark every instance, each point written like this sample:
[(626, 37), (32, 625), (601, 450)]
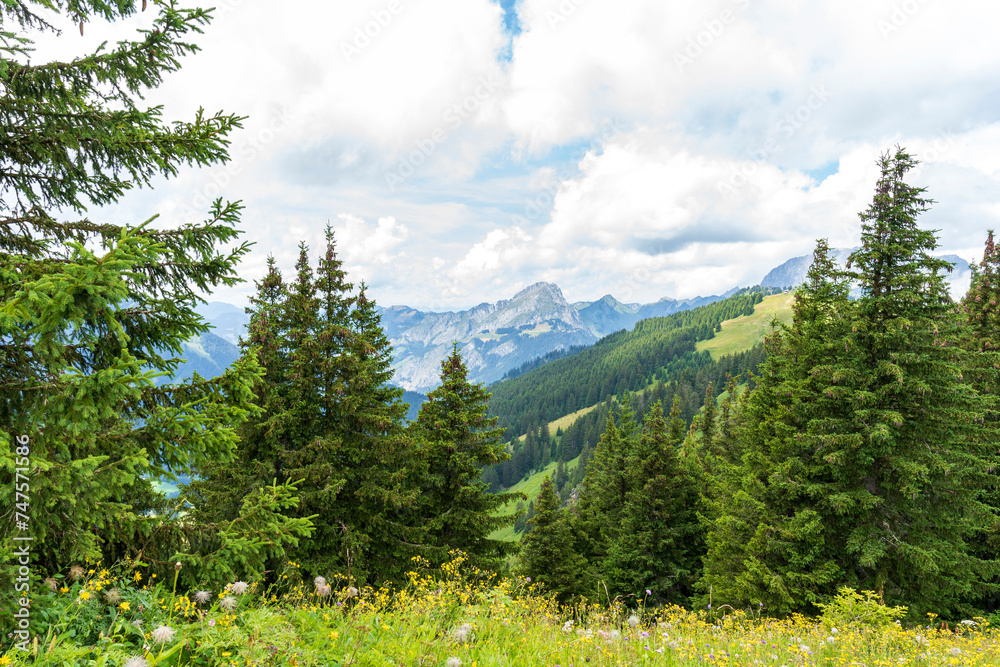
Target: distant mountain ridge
[(493, 337), (499, 337), (792, 273)]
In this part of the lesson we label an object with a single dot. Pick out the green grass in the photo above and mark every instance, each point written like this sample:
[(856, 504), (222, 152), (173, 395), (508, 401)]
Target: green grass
[(742, 333), (453, 615)]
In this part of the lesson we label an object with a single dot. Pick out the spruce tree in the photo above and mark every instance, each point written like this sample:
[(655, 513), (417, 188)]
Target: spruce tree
[(458, 439), (331, 424), (548, 554), (93, 314), (767, 539), (863, 456), (606, 488), (913, 484), (981, 368), (661, 542)]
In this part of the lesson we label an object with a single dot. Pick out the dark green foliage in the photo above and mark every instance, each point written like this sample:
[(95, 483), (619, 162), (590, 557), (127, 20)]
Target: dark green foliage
[(331, 423), (981, 315), (606, 489), (859, 458), (547, 554), (622, 362), (93, 313), (660, 544), (458, 440), (767, 543), (688, 386), (914, 480)]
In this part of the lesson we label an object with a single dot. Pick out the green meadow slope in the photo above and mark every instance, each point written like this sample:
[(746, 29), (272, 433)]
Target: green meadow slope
[(742, 333)]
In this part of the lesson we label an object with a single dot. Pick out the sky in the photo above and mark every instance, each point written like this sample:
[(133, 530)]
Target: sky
[(465, 149)]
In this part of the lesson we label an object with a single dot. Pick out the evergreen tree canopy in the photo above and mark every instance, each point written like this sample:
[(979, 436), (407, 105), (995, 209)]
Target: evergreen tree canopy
[(458, 440), (548, 555), (862, 457), (331, 423), (93, 312)]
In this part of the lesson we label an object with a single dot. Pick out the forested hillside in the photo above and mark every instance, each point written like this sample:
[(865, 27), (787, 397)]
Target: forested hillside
[(656, 349), (862, 456)]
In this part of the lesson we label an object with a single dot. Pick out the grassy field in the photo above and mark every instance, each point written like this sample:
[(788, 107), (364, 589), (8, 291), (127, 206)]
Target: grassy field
[(453, 616), (742, 333)]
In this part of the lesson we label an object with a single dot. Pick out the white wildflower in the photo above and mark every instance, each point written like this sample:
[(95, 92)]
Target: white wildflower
[(453, 662), (319, 581), (461, 633), (352, 592), (163, 634), (674, 645), (969, 623), (921, 640), (633, 621), (228, 603), (239, 588), (805, 649), (323, 590), (135, 661), (568, 626), (201, 597), (955, 651)]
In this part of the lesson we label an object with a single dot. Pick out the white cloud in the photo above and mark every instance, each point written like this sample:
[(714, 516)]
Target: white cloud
[(500, 252), (701, 94), (362, 244)]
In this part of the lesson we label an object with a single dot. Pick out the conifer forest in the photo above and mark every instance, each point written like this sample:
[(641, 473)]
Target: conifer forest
[(823, 491)]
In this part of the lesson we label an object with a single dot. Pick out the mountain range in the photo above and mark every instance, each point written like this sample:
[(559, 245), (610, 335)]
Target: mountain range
[(497, 337)]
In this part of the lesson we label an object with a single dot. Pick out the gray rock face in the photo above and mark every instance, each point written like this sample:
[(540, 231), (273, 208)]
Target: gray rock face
[(493, 337)]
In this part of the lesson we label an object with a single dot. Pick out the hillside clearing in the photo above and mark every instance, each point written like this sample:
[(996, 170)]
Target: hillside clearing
[(742, 333)]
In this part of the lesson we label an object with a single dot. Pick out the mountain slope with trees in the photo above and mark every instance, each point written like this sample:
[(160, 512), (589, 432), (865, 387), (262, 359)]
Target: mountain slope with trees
[(862, 455)]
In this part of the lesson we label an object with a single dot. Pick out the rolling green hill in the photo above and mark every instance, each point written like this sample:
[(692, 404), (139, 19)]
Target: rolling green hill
[(742, 333), (733, 347)]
